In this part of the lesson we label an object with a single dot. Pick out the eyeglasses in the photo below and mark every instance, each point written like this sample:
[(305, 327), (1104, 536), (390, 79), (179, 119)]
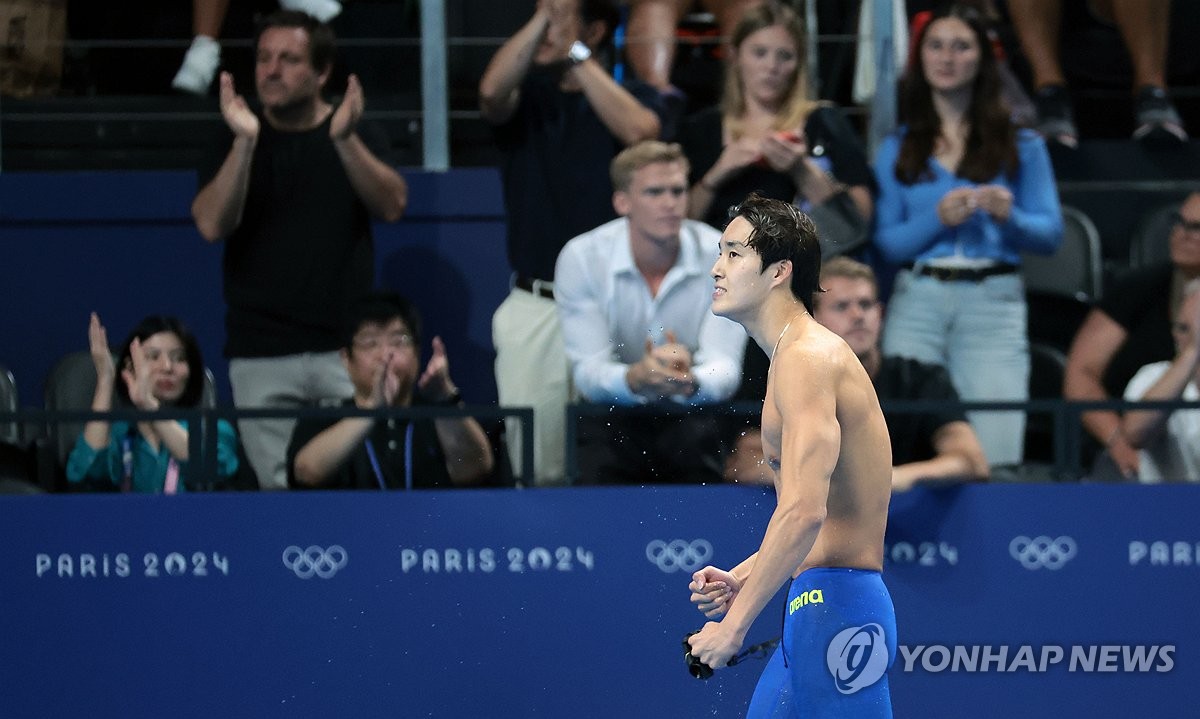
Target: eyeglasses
[(370, 343), (1185, 224)]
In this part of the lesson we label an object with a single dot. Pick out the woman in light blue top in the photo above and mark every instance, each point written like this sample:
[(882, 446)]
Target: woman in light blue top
[(962, 193), (160, 366)]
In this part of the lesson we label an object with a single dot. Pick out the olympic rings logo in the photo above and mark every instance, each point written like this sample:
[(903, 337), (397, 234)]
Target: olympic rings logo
[(679, 555), (1042, 552), (322, 562)]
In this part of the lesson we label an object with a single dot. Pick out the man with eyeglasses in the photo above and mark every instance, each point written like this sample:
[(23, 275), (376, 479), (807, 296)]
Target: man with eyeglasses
[(1128, 329), (381, 356), (633, 298)]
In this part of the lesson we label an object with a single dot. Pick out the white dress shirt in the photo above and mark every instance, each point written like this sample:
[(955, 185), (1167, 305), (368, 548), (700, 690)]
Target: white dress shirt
[(607, 313)]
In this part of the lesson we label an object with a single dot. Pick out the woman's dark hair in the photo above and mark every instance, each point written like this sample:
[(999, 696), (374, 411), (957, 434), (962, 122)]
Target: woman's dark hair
[(779, 231), (193, 391), (991, 145)]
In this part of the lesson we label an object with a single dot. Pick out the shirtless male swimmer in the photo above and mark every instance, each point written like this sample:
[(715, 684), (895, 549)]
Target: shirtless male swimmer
[(825, 438)]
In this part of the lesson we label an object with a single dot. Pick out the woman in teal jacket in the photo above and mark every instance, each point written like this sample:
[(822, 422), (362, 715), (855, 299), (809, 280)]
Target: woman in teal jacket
[(160, 366)]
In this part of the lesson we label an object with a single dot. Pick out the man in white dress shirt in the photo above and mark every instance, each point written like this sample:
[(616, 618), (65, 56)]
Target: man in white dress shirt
[(634, 299)]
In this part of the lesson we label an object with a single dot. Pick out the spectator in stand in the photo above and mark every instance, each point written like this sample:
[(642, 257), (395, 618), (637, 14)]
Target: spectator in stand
[(382, 356), (962, 194), (1144, 26), (934, 445), (634, 297), (559, 118), (1168, 442), (292, 190), (160, 367), (1130, 328), (769, 137)]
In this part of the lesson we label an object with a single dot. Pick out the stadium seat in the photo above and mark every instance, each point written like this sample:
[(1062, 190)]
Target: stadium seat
[(1061, 288), (1150, 243)]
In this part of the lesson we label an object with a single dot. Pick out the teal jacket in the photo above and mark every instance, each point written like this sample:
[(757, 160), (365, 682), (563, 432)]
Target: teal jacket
[(149, 466)]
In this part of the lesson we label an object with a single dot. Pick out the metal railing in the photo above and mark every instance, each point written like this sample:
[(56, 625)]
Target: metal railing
[(202, 445), (1068, 432), (1067, 454)]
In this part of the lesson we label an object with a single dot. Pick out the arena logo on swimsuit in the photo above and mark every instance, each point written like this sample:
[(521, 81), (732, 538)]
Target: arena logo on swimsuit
[(812, 596)]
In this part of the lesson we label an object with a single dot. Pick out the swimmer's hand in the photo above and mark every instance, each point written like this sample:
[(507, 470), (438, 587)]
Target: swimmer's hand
[(713, 591)]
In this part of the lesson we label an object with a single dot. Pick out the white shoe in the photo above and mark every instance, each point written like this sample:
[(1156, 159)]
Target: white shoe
[(323, 10), (199, 66)]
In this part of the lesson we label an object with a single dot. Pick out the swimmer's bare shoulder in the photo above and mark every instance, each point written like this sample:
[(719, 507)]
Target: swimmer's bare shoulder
[(822, 420)]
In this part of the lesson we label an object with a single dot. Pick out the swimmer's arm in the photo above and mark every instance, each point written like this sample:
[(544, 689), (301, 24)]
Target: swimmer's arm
[(742, 571), (805, 396)]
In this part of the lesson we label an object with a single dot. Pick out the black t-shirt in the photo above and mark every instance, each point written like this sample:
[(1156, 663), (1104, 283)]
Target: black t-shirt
[(903, 378), (1141, 303), (831, 141), (303, 251), (557, 153), (397, 444)]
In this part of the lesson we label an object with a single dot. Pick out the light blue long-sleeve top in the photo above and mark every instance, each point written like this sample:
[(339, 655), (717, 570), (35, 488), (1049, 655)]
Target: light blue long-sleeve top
[(149, 465), (908, 228)]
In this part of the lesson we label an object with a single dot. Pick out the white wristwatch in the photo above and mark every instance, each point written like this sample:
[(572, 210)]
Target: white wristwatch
[(578, 52)]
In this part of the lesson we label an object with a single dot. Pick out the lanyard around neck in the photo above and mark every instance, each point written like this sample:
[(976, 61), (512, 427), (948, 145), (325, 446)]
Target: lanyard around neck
[(378, 469)]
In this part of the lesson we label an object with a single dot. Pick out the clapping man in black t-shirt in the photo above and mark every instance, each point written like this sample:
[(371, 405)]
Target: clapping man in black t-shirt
[(292, 191)]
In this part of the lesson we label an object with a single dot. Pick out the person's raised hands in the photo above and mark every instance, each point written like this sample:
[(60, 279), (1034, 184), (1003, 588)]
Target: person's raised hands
[(349, 112), (101, 355), (139, 378), (435, 381), (783, 151), (957, 206), (238, 116), (996, 200)]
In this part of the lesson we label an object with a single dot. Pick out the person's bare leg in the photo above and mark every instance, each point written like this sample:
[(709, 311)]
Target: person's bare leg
[(208, 16), (1037, 24), (650, 39), (1144, 28)]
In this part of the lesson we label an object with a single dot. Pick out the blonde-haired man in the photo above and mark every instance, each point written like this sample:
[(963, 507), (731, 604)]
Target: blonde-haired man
[(633, 297)]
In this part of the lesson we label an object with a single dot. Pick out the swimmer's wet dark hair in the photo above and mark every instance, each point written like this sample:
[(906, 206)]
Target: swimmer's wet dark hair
[(779, 231)]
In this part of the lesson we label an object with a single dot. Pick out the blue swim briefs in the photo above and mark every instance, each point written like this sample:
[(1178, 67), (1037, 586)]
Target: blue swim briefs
[(839, 639)]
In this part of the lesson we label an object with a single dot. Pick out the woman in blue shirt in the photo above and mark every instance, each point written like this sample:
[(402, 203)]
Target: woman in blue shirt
[(962, 193), (160, 366)]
